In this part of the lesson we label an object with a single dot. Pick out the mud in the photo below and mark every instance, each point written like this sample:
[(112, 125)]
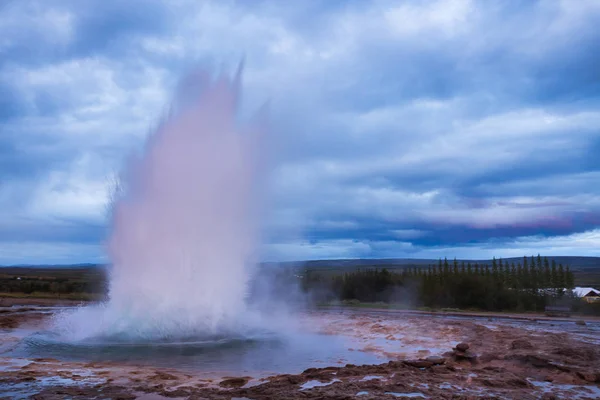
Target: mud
[(438, 358)]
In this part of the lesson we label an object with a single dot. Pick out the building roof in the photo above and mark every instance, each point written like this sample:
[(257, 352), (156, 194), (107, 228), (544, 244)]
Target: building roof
[(586, 291)]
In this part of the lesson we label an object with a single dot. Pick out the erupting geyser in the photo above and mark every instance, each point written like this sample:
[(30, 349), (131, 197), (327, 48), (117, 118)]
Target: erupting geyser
[(185, 226)]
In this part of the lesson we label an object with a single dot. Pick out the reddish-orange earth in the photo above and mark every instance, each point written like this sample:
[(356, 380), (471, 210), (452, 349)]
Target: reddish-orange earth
[(430, 357)]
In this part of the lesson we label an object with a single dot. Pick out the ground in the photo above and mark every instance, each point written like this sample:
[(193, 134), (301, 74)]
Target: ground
[(506, 358)]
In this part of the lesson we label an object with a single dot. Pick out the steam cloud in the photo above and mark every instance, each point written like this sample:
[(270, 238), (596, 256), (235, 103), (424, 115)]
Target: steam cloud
[(185, 227)]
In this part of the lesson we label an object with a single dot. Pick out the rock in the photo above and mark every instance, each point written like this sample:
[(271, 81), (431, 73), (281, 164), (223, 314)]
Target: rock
[(591, 377), (233, 382), (462, 346), (163, 376), (513, 382), (492, 382), (46, 360), (487, 357), (179, 392), (575, 353), (521, 344), (294, 379), (419, 363), (436, 360), (465, 355), (548, 396), (580, 322), (518, 382)]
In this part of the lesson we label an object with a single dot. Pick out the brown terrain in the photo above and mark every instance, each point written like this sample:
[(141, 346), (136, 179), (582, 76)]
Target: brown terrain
[(437, 358)]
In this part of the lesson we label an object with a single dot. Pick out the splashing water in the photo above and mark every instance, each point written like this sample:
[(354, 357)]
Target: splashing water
[(185, 227)]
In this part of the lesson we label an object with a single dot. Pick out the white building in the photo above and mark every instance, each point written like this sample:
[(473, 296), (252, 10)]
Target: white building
[(588, 293)]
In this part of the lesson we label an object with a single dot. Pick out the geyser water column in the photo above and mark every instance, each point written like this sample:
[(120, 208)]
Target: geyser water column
[(185, 225)]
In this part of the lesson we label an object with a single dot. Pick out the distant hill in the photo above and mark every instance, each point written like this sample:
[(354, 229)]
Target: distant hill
[(586, 269), (55, 266), (575, 262)]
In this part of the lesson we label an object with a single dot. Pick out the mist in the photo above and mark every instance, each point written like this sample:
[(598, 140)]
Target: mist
[(186, 225)]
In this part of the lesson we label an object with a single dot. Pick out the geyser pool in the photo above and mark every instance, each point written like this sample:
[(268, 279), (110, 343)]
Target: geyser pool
[(184, 227), (259, 355)]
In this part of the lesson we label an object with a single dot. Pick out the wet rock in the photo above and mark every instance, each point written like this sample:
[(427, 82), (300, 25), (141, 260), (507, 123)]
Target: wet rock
[(294, 379), (419, 363), (492, 382), (518, 383), (487, 357), (580, 322), (575, 353), (465, 355), (234, 382), (462, 346), (180, 392), (521, 344), (591, 377), (513, 383), (548, 396), (46, 360), (436, 360), (531, 359), (312, 370), (164, 376)]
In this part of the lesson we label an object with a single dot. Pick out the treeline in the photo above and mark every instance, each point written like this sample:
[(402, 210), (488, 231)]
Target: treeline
[(529, 285)]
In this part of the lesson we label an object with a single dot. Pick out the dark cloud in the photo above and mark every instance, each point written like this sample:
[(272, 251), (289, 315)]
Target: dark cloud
[(27, 230), (401, 127)]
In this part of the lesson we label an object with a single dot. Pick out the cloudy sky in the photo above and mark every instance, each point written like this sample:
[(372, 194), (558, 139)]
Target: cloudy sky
[(404, 128)]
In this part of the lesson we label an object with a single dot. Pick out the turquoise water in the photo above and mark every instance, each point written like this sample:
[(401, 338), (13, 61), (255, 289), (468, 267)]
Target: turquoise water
[(262, 352)]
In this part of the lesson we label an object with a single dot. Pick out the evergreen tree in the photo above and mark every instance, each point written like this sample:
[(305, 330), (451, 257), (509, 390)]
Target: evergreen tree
[(547, 274), (446, 268), (554, 278), (570, 279), (520, 282), (562, 280), (495, 270), (506, 273), (539, 271), (533, 276), (513, 276)]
